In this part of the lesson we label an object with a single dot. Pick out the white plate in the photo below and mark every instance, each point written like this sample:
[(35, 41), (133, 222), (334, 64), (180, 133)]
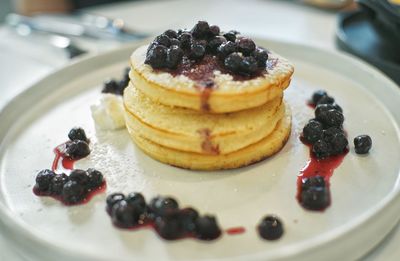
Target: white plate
[(364, 189)]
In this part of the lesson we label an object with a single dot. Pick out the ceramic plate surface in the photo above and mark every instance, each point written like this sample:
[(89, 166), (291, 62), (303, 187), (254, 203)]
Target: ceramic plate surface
[(364, 189)]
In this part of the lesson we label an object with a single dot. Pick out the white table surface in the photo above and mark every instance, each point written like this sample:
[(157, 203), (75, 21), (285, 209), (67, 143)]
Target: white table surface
[(24, 60)]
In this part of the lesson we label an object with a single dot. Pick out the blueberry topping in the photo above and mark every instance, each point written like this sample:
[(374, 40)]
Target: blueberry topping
[(261, 57), (43, 179), (57, 183), (77, 149), (326, 99), (321, 149), (124, 214), (110, 86), (174, 56), (160, 206), (175, 42), (245, 45), (95, 178), (315, 198), (201, 30), (80, 176), (137, 200), (157, 56), (186, 40), (225, 49), (170, 226), (231, 36), (77, 133), (331, 118), (112, 199), (207, 228), (197, 51), (188, 218), (317, 95), (73, 192), (249, 66), (215, 42), (321, 108), (338, 143), (312, 131), (171, 33), (163, 39), (363, 144), (214, 30), (270, 228), (316, 181), (233, 62)]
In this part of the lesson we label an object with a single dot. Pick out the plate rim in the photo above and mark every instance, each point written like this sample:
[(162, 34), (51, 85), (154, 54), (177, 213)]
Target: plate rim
[(20, 230)]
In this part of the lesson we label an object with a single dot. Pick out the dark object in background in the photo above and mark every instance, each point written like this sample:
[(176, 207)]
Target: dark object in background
[(77, 4), (373, 34)]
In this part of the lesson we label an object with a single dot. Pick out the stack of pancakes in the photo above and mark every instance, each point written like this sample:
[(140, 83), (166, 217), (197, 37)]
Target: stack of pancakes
[(192, 124)]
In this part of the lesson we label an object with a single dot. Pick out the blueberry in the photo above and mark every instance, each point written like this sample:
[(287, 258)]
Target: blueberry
[(225, 49), (261, 57), (163, 39), (175, 42), (214, 43), (312, 131), (315, 198), (73, 192), (270, 228), (174, 56), (316, 181), (203, 43), (186, 39), (157, 56), (188, 219), (317, 95), (80, 176), (197, 51), (110, 86), (95, 178), (160, 206), (43, 179), (233, 62), (201, 29), (231, 35), (214, 30), (77, 133), (331, 118), (363, 144), (57, 183), (171, 33), (338, 143), (326, 107), (112, 199), (326, 99), (245, 45), (170, 226), (329, 133), (207, 228), (124, 214), (76, 149), (321, 149), (137, 200), (249, 66)]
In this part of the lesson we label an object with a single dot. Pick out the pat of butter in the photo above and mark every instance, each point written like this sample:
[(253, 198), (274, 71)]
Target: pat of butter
[(108, 114)]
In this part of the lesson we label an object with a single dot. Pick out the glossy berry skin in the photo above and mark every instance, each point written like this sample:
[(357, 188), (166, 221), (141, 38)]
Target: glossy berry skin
[(233, 62), (57, 183), (322, 108), (163, 39), (76, 149), (230, 36), (171, 33), (207, 228), (225, 49), (270, 228), (43, 179), (261, 57), (77, 133), (326, 99), (186, 39), (214, 30), (160, 206), (188, 218), (174, 57), (245, 45), (197, 51), (362, 144), (321, 149), (312, 131), (112, 199), (338, 143), (73, 192), (315, 198), (214, 43), (175, 42), (201, 29), (124, 214), (317, 95), (249, 66), (317, 181), (170, 226), (157, 56), (96, 178), (80, 176), (331, 118), (137, 200)]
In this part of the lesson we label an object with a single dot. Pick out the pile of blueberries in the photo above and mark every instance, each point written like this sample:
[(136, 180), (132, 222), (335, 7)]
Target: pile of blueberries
[(168, 220), (117, 87), (238, 55), (75, 187)]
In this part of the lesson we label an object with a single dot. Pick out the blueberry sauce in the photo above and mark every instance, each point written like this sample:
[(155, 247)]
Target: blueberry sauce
[(235, 230)]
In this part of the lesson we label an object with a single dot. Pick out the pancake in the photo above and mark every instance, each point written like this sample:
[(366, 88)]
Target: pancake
[(193, 131), (243, 157), (227, 93)]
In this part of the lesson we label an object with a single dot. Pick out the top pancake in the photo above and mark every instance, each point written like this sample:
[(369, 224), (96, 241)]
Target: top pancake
[(227, 94)]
